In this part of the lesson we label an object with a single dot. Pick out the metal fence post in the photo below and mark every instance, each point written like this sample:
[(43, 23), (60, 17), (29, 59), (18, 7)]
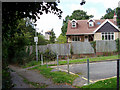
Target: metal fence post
[(68, 64), (68, 57), (57, 63), (41, 59), (88, 70), (118, 74)]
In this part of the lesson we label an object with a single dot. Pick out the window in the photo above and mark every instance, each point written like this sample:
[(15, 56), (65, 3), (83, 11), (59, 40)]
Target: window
[(76, 38), (107, 35), (73, 24), (91, 24)]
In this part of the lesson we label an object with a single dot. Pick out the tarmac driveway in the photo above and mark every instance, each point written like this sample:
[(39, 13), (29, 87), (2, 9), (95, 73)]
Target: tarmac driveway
[(98, 70)]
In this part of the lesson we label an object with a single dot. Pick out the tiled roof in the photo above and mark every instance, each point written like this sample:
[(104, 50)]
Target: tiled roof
[(83, 27)]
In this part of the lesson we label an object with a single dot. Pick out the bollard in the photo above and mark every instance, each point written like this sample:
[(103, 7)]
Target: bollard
[(88, 70), (68, 64), (118, 74), (41, 59), (57, 63)]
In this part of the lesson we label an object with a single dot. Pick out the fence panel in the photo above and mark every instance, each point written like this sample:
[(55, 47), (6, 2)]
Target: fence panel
[(105, 46), (82, 48)]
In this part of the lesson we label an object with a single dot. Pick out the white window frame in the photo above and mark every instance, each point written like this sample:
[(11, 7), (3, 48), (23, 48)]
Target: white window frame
[(103, 34), (74, 38), (73, 24), (91, 24)]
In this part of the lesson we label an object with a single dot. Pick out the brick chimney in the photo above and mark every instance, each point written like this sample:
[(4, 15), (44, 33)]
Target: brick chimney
[(115, 18)]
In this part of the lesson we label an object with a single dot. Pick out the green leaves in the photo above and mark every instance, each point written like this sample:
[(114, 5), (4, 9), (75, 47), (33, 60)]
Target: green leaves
[(61, 39), (77, 15), (52, 37)]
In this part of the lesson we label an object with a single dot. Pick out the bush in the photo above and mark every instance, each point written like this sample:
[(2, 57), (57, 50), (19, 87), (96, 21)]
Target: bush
[(93, 44), (49, 55), (118, 44), (6, 78)]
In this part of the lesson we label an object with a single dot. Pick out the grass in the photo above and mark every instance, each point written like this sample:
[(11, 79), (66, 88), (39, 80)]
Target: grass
[(36, 85), (102, 58), (108, 83), (31, 63), (76, 61), (57, 76)]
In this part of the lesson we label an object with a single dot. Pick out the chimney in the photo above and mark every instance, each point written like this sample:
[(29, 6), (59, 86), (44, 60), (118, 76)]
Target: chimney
[(115, 18)]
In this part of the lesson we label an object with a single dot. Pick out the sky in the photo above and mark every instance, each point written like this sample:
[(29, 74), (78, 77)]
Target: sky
[(92, 7)]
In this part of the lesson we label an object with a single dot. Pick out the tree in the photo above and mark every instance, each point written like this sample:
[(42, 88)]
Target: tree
[(109, 14), (77, 15), (118, 16), (61, 39), (80, 15), (52, 37), (42, 40), (14, 11)]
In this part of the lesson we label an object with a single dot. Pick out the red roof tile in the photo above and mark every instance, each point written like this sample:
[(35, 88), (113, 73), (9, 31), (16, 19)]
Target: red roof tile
[(83, 28)]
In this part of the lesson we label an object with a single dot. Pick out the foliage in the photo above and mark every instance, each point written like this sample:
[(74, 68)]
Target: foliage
[(118, 44), (31, 63), (95, 59), (108, 83), (6, 78), (14, 31), (109, 14), (61, 39), (118, 16), (36, 85), (49, 55), (18, 10), (15, 11), (57, 77), (42, 40), (71, 51), (77, 15), (93, 44), (80, 15), (52, 37)]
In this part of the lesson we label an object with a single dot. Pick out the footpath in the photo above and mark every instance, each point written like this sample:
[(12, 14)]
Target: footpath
[(19, 75)]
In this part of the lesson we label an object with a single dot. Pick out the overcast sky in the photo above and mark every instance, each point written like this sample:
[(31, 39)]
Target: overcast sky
[(92, 7)]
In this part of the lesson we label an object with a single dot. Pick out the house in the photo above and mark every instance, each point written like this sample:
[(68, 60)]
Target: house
[(92, 30), (47, 35)]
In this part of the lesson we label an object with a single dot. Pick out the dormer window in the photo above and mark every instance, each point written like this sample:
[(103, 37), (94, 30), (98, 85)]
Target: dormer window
[(91, 23), (74, 23)]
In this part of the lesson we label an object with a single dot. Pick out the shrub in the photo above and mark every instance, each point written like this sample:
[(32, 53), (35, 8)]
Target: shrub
[(93, 44), (49, 55), (118, 44)]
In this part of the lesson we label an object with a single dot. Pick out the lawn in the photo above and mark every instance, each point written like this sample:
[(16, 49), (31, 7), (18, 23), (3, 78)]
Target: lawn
[(31, 63), (95, 59), (76, 61), (56, 76), (108, 83)]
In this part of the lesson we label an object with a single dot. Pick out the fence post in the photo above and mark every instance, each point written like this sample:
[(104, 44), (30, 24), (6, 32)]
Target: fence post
[(41, 59), (88, 70), (57, 62), (118, 74), (68, 57)]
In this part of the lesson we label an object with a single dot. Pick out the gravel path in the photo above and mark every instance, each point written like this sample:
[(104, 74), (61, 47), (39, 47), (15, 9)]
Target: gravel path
[(32, 76)]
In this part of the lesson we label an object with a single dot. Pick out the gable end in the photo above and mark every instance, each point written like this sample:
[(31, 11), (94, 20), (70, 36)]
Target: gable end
[(107, 27)]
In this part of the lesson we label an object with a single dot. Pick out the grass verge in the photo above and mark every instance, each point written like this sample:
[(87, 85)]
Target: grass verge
[(102, 58), (57, 76), (31, 63), (76, 61), (108, 83), (36, 85)]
